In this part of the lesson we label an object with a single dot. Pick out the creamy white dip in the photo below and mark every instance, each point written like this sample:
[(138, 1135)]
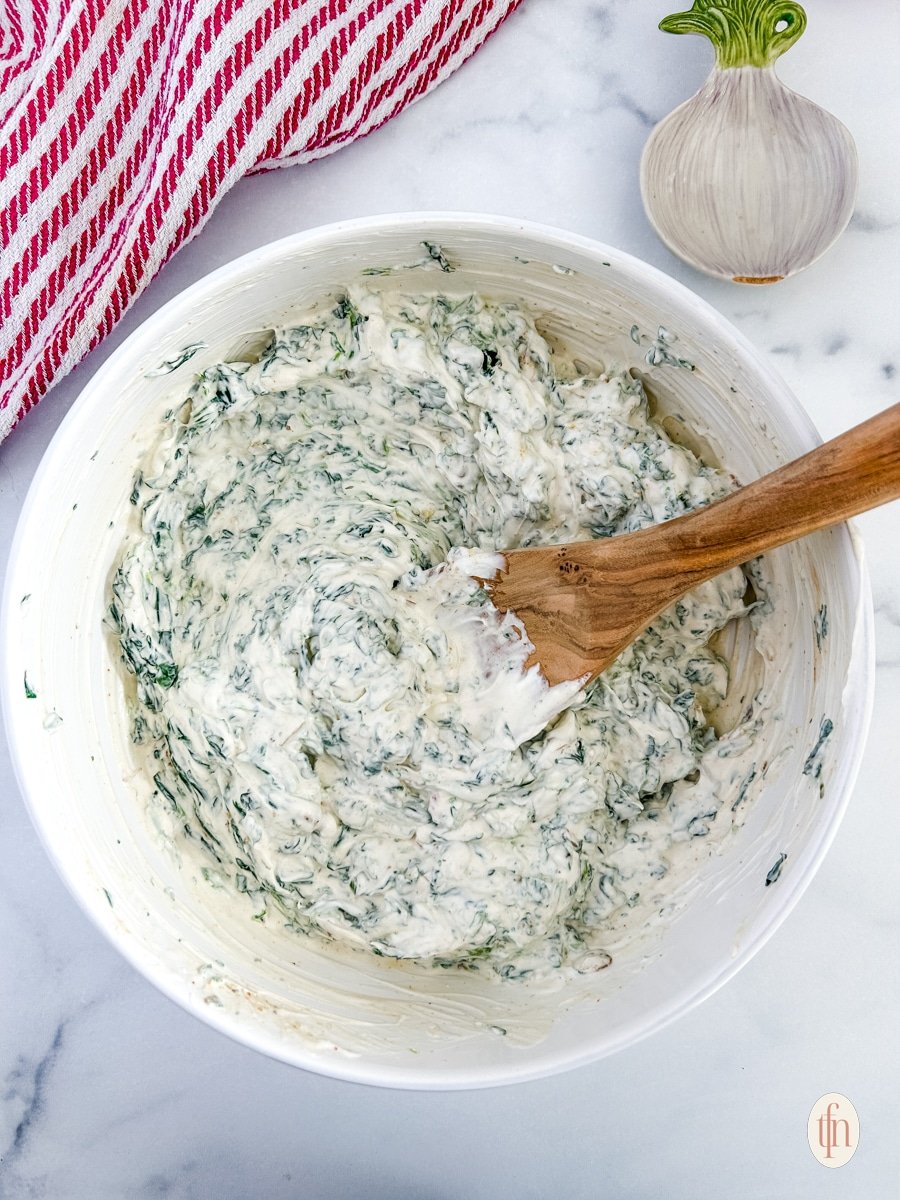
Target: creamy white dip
[(326, 700)]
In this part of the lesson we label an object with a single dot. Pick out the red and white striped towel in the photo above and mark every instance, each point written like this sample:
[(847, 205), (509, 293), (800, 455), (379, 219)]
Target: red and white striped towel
[(123, 122)]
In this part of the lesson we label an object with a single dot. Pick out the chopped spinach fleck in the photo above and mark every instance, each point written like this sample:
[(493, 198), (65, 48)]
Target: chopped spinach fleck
[(774, 872), (436, 253), (813, 764)]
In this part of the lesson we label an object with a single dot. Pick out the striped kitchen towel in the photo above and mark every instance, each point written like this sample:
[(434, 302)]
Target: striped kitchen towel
[(123, 122)]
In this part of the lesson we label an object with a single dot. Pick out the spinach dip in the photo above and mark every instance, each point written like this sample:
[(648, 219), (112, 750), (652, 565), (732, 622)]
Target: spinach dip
[(333, 714)]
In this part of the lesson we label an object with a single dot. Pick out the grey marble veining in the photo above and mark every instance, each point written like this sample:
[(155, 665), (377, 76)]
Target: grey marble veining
[(109, 1090)]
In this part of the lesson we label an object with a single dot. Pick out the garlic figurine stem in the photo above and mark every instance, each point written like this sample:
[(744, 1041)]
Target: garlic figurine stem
[(748, 180)]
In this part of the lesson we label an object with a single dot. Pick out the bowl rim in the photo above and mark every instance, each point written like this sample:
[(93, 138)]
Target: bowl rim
[(859, 690)]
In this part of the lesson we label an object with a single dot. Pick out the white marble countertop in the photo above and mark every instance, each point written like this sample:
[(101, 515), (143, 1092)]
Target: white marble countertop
[(110, 1090)]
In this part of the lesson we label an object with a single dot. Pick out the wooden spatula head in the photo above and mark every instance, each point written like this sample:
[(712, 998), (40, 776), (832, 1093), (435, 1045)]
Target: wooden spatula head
[(581, 604)]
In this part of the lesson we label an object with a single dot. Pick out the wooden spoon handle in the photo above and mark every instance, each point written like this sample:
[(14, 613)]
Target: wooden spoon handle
[(857, 471)]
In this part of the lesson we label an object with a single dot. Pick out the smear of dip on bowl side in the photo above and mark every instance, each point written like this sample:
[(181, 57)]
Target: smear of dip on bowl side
[(336, 719)]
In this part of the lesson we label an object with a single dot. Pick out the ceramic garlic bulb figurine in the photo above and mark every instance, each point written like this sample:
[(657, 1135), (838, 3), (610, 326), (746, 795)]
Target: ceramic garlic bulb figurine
[(748, 180)]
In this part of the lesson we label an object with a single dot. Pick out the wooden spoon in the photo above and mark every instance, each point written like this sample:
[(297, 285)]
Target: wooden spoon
[(582, 604)]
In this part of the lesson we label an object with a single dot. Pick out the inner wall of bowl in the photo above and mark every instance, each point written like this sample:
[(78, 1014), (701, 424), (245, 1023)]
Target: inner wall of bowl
[(346, 1016)]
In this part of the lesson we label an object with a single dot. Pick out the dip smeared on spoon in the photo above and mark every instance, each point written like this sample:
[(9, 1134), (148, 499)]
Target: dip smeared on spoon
[(335, 716)]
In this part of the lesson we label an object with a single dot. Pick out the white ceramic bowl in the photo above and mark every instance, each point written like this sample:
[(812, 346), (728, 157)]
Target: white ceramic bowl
[(380, 1023)]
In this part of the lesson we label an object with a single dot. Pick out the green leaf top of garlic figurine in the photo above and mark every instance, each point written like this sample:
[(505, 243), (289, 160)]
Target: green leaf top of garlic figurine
[(748, 180)]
